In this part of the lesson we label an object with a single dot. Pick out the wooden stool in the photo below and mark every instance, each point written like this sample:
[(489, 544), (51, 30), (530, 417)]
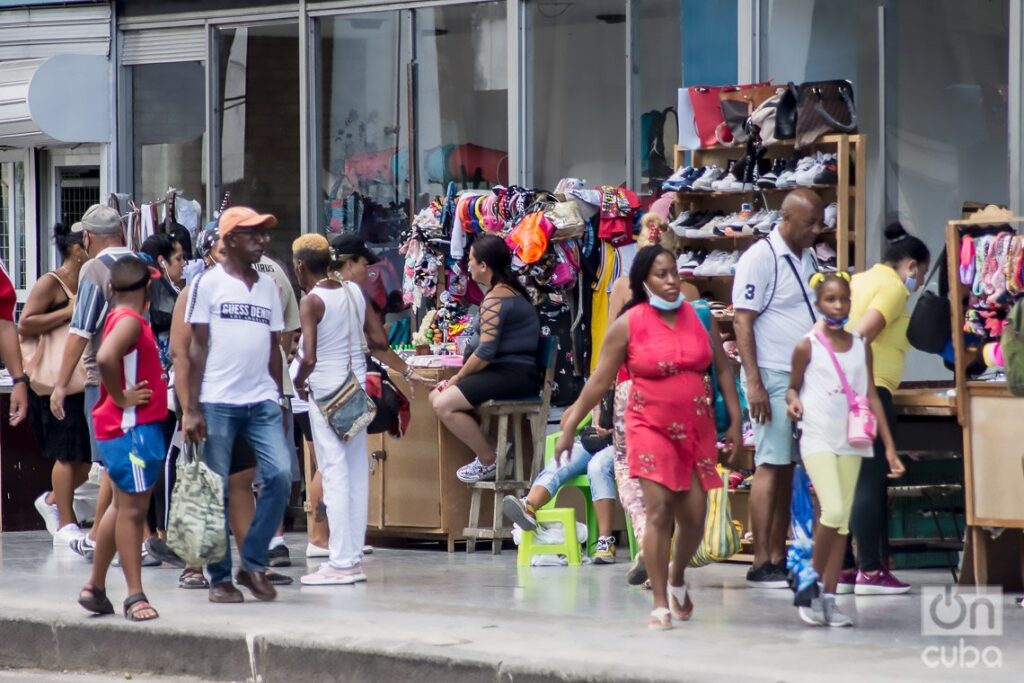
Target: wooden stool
[(510, 414)]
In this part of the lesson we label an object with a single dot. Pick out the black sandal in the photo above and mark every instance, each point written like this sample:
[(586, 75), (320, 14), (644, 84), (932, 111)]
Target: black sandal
[(97, 601), (193, 579), (278, 579), (136, 603)]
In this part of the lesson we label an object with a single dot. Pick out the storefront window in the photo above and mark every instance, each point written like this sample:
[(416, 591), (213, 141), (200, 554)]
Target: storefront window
[(660, 73), (168, 130), (576, 80), (258, 110), (12, 221), (364, 134)]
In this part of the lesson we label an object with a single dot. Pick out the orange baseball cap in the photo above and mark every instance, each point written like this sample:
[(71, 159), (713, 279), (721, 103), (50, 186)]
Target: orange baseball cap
[(238, 217)]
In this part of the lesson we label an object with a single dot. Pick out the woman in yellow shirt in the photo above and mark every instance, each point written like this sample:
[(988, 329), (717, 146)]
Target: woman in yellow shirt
[(879, 314)]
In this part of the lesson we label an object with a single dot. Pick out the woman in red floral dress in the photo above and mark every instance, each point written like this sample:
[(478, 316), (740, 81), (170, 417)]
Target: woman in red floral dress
[(670, 418)]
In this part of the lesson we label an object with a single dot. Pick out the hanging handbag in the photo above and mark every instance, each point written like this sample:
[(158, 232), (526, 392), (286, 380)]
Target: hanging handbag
[(785, 114), (737, 104), (707, 112), (824, 107), (721, 538), (195, 524), (348, 409), (861, 425), (392, 405), (761, 123), (931, 326), (44, 354), (566, 218)]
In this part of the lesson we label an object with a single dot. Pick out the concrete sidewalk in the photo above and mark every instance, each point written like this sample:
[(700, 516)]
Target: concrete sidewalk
[(427, 615)]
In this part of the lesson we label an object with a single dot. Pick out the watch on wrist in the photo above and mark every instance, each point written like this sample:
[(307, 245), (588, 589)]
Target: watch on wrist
[(23, 379), (284, 402)]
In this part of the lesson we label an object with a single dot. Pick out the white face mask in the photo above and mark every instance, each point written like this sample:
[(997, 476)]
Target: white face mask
[(663, 304)]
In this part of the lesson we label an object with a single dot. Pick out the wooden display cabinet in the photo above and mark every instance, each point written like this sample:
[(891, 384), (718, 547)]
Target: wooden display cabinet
[(990, 417), (413, 489)]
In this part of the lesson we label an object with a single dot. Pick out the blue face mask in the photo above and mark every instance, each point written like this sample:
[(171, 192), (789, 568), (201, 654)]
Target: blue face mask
[(836, 323), (911, 283), (664, 304)]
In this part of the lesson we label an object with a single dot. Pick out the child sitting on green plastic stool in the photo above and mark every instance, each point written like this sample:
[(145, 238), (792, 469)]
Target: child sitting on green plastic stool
[(592, 454)]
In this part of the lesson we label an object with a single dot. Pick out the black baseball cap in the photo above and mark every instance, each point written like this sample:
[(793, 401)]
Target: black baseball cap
[(351, 245)]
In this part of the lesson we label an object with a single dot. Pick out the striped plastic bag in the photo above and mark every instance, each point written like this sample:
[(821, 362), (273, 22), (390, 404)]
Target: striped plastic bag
[(721, 537)]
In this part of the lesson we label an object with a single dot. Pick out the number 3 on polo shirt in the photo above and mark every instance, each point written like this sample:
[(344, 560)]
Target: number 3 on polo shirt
[(749, 292)]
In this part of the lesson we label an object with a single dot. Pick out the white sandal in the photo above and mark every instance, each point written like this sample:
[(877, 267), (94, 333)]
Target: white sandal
[(661, 619), (677, 597)]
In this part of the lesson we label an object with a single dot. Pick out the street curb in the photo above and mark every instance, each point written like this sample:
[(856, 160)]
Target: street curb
[(110, 645)]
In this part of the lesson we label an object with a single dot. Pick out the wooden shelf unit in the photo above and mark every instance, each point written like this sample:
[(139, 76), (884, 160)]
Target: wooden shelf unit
[(850, 203)]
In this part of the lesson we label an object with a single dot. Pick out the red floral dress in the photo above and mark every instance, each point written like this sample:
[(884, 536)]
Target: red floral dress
[(670, 417)]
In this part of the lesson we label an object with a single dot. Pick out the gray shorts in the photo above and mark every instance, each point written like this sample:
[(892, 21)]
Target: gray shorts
[(773, 441), (92, 397)]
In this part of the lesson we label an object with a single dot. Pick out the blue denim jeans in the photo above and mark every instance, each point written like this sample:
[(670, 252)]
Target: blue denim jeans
[(598, 466), (260, 423)]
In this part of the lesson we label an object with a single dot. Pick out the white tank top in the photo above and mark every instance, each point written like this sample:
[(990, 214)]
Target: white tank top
[(339, 338), (825, 405)]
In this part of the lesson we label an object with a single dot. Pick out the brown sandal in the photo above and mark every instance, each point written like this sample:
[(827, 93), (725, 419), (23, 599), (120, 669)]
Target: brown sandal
[(134, 604)]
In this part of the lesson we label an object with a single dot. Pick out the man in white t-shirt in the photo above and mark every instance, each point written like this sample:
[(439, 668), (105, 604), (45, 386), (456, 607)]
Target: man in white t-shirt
[(774, 309), (236, 318)]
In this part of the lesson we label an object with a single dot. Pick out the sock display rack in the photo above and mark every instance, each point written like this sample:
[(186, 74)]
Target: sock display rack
[(847, 239)]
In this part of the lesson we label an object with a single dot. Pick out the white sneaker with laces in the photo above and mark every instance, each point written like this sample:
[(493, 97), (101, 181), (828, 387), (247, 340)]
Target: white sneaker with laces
[(831, 216), (703, 183), (66, 534), (48, 511), (475, 471)]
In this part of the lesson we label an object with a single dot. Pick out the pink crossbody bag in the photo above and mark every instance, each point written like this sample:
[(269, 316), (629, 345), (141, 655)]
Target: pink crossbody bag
[(861, 425)]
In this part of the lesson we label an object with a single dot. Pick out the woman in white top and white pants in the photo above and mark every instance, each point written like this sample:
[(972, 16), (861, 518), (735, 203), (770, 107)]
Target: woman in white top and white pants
[(332, 315)]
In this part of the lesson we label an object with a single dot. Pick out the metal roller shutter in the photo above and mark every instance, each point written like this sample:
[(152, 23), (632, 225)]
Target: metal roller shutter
[(38, 33), (157, 46)]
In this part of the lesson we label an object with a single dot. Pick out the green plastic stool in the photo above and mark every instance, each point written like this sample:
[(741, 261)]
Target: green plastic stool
[(570, 546)]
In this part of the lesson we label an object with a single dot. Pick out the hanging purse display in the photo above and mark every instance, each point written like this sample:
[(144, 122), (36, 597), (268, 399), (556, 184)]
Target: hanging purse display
[(762, 121), (567, 219), (348, 409), (785, 114), (737, 105), (824, 107), (707, 112)]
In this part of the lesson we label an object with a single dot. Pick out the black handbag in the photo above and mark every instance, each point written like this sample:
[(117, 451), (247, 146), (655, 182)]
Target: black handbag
[(785, 114), (824, 107), (931, 325), (392, 406)]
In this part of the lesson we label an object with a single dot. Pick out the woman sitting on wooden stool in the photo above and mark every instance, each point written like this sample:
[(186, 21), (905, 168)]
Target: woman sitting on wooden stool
[(501, 361)]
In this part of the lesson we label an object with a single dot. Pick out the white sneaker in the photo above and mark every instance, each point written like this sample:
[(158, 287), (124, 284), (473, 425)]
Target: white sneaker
[(727, 264), (788, 178), (805, 172), (711, 264), (327, 575), (66, 534), (703, 183), (367, 550), (48, 511), (317, 551), (831, 216)]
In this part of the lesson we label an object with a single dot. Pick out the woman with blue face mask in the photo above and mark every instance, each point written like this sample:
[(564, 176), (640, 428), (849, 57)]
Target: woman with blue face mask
[(670, 419), (879, 313)]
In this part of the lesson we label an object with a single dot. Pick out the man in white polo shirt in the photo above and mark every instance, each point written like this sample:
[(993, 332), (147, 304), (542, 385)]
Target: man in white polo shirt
[(235, 386), (774, 309)]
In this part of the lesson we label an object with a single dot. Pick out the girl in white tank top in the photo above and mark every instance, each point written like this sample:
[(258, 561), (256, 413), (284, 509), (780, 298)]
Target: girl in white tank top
[(817, 401), (339, 337)]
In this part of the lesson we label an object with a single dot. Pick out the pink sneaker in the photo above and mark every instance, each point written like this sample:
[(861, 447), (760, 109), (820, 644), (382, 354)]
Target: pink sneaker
[(881, 583), (327, 575), (847, 581)]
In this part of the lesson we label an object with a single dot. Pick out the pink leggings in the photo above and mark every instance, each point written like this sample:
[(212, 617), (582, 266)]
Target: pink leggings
[(630, 494)]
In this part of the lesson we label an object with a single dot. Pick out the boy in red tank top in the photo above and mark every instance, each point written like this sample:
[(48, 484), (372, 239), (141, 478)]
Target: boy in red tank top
[(128, 418)]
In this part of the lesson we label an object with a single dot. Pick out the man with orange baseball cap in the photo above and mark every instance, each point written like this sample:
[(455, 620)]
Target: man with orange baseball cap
[(237, 319)]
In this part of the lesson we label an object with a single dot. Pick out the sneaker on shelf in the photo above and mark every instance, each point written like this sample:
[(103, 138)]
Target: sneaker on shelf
[(741, 217), (83, 546), (727, 266), (847, 580), (519, 511), (825, 254), (48, 511), (831, 216), (785, 177), (278, 556), (720, 226), (756, 217), (828, 172), (709, 267), (687, 182), (730, 170), (765, 225), (675, 181), (679, 221), (687, 261), (833, 615), (710, 175), (475, 471), (706, 228), (317, 551), (66, 534), (605, 553), (804, 177), (767, 180), (766, 576), (881, 582)]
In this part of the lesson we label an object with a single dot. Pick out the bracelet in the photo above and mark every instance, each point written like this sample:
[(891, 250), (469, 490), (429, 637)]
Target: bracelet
[(23, 379)]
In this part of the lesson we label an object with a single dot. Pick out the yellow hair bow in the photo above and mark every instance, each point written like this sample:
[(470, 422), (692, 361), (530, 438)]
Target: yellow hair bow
[(819, 278)]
